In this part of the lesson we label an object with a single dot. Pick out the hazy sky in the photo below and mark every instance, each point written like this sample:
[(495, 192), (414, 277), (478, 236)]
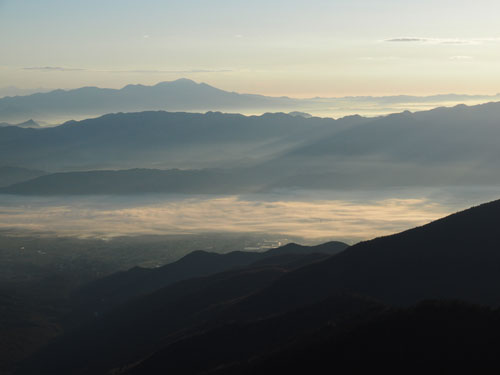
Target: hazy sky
[(274, 47)]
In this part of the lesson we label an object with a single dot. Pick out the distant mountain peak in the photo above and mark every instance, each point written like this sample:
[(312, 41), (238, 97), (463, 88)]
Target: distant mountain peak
[(133, 86), (300, 114), (183, 81), (29, 123)]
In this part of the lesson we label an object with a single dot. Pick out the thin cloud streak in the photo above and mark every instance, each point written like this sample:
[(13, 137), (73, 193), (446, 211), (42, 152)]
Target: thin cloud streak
[(443, 41), (53, 69), (169, 71), (406, 40)]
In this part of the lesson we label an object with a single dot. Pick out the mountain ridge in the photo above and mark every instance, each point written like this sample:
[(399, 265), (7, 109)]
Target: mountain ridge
[(186, 95), (453, 258)]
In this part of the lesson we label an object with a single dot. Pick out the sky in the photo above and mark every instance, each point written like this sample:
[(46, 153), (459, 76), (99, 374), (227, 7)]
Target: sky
[(295, 48)]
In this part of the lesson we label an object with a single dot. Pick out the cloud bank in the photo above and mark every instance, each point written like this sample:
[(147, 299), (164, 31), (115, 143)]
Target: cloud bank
[(350, 221)]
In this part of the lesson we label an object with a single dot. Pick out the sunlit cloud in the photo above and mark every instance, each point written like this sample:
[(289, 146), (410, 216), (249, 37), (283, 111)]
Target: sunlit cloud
[(326, 219)]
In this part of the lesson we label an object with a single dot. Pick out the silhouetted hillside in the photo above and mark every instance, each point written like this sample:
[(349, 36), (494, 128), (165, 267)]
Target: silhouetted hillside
[(456, 257), (140, 327), (241, 342), (103, 294), (433, 337), (170, 310)]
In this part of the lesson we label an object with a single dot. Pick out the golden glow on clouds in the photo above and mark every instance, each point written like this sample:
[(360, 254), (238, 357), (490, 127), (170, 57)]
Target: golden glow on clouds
[(319, 219)]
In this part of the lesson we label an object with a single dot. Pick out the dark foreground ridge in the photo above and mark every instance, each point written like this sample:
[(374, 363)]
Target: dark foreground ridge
[(349, 312)]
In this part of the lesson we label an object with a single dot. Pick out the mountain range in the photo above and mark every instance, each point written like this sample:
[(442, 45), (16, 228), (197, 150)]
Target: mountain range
[(27, 124), (179, 95), (335, 311), (225, 153), (186, 95), (162, 139)]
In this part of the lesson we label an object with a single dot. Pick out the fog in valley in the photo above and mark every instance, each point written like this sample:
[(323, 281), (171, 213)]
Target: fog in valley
[(238, 188), (314, 216)]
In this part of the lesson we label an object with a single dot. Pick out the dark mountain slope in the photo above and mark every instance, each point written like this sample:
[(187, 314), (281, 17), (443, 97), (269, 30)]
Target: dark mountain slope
[(434, 337), (142, 326), (238, 342), (106, 293), (457, 257)]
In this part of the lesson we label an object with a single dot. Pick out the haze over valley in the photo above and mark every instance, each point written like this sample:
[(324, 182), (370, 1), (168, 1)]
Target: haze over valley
[(240, 188)]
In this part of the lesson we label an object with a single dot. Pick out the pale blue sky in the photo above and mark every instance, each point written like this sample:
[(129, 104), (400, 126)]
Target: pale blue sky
[(295, 48)]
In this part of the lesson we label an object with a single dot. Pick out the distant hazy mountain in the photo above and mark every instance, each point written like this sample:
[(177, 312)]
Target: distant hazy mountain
[(14, 175), (223, 153), (444, 146), (162, 140), (27, 124), (300, 114), (179, 95), (132, 181), (16, 91), (186, 95)]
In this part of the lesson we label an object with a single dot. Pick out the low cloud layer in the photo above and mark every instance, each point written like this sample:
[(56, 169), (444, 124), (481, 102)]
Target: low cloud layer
[(350, 221)]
